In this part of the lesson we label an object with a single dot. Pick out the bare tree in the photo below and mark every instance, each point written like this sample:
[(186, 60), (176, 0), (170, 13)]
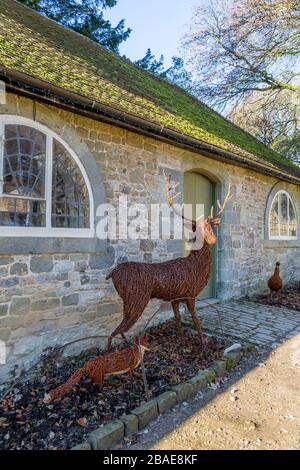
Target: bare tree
[(273, 121), (244, 46)]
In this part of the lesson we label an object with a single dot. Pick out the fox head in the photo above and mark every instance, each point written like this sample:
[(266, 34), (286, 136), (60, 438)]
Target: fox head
[(142, 342)]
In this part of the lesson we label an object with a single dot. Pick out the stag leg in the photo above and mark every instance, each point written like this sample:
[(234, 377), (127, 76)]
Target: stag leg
[(175, 306), (132, 310), (192, 309)]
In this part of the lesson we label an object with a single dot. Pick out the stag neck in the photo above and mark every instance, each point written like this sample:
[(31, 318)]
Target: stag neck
[(196, 253)]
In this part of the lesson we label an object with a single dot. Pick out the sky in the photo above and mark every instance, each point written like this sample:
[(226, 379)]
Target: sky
[(158, 24)]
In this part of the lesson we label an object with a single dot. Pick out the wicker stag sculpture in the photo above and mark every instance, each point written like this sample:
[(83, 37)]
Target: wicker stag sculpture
[(98, 369), (176, 281)]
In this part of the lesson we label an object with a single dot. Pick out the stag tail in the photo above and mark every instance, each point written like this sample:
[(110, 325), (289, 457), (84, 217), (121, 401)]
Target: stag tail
[(58, 392), (109, 276)]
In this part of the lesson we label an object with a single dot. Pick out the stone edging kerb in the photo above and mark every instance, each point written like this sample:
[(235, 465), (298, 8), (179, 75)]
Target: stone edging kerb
[(111, 434)]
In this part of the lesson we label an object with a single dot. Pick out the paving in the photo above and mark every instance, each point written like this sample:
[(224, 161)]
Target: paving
[(262, 325), (257, 405)]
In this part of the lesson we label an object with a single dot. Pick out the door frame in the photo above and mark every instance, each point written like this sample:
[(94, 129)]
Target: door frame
[(216, 185)]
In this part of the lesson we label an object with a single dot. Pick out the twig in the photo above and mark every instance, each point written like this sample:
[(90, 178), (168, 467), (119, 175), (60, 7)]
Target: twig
[(144, 372)]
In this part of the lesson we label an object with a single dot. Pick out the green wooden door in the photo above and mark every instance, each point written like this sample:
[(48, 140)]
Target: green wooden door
[(200, 190)]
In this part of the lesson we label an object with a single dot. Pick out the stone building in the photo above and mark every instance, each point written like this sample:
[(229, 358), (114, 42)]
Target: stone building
[(79, 127)]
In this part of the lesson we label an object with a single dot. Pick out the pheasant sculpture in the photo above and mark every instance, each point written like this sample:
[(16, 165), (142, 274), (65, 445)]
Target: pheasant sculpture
[(275, 282)]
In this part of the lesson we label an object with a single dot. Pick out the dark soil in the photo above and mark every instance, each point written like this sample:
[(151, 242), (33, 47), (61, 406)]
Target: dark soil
[(27, 423), (288, 297)]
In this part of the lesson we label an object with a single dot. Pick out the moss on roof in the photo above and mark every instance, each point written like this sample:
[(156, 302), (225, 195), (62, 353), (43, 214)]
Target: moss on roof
[(43, 49)]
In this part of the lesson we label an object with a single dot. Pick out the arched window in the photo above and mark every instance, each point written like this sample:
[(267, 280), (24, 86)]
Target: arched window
[(282, 218), (44, 190)]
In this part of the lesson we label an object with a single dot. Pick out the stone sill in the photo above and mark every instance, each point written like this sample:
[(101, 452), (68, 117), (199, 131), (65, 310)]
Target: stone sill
[(31, 245), (111, 434), (271, 244)]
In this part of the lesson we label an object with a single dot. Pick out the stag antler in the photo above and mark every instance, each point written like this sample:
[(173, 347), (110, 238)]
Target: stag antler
[(170, 189), (228, 198)]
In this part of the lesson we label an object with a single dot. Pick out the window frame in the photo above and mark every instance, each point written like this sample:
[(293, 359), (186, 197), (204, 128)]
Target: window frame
[(282, 237), (48, 231)]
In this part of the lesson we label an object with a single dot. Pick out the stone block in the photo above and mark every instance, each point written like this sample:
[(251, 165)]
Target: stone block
[(61, 276), (5, 261), (4, 271), (4, 334), (166, 401), (199, 381), (3, 310), (80, 266), (147, 245), (19, 305), (219, 367), (146, 413), (19, 269), (174, 246), (41, 264), (183, 391), (229, 362), (9, 282), (108, 436), (233, 358), (72, 299), (45, 304), (131, 424), (109, 309), (234, 347), (83, 446), (102, 261), (210, 375), (85, 279)]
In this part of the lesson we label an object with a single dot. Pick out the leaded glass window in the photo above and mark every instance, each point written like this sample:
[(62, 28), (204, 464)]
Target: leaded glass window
[(282, 217), (70, 203), (41, 184)]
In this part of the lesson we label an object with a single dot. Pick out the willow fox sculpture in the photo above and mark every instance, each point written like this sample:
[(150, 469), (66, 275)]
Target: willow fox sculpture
[(177, 281), (98, 369)]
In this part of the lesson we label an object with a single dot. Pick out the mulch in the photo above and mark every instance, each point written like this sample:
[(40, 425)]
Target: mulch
[(27, 423), (288, 297)]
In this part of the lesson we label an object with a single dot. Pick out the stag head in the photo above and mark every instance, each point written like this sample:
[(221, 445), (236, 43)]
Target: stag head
[(205, 225)]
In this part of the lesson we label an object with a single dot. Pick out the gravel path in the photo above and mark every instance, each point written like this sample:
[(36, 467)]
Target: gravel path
[(258, 407)]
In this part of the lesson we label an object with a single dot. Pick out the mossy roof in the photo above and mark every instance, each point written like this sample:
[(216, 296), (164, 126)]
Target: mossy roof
[(34, 45)]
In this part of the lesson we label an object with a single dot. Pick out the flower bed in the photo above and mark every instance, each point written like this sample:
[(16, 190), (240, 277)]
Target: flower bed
[(27, 423)]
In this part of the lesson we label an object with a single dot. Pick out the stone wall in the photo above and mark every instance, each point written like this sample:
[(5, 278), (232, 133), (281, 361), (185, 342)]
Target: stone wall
[(49, 299)]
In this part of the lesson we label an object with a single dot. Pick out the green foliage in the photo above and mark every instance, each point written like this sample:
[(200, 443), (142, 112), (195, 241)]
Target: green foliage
[(229, 362), (176, 74), (149, 63), (84, 17), (113, 380), (210, 375), (249, 348)]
